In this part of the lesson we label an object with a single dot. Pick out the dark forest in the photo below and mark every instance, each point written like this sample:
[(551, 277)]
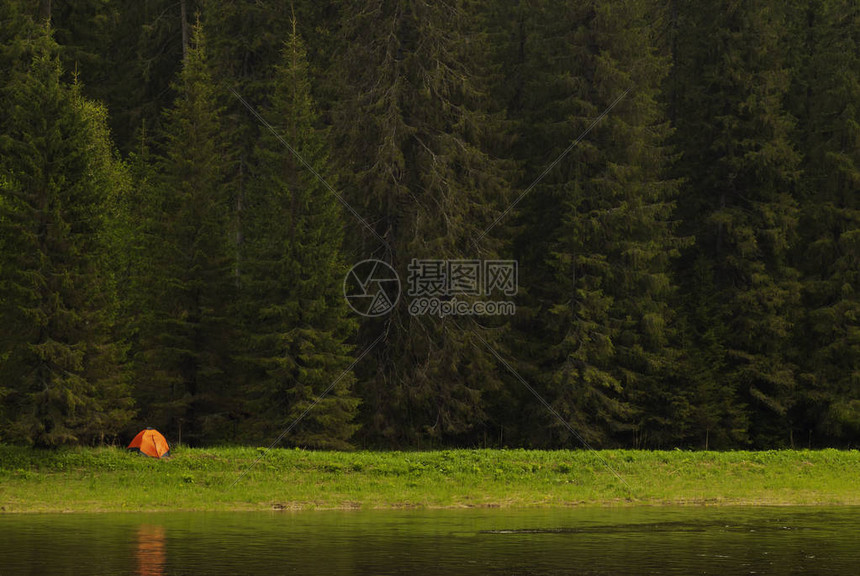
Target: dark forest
[(184, 186)]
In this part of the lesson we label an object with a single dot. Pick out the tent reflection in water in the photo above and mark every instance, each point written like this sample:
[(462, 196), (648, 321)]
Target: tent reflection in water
[(151, 443), (150, 550)]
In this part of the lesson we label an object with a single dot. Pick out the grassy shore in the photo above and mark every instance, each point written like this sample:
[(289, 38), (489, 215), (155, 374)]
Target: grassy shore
[(111, 479)]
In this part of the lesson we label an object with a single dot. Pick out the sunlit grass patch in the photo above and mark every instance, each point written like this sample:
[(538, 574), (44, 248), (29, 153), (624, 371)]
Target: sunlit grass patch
[(226, 478)]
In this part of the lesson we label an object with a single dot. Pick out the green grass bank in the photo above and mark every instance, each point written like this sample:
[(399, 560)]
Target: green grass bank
[(111, 479)]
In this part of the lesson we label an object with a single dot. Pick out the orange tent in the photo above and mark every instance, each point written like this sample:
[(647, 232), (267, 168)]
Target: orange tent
[(151, 443)]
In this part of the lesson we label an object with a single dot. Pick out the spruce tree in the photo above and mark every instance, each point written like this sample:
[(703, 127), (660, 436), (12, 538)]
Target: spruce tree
[(741, 170), (415, 130), (825, 95), (598, 237), (184, 347), (61, 360), (296, 317)]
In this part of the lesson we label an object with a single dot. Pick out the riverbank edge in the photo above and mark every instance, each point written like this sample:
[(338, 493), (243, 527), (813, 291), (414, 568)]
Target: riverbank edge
[(94, 480)]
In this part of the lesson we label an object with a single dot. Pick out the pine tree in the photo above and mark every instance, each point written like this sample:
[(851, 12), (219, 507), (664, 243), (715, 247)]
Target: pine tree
[(297, 321), (597, 233), (826, 93), (415, 130), (184, 350), (57, 298), (741, 169)]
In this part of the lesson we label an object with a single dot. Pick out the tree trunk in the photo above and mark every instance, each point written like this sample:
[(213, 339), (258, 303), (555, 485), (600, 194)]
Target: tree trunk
[(184, 24), (45, 10)]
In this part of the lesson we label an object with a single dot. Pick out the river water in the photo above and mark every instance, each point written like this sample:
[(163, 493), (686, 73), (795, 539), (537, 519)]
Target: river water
[(641, 540)]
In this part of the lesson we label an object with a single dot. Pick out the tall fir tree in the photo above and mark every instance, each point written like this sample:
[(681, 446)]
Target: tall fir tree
[(741, 172), (184, 347), (415, 130), (825, 94), (597, 234), (58, 178), (296, 317)]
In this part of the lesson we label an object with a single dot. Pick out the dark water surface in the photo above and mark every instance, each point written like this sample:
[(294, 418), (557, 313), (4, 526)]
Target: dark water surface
[(667, 540)]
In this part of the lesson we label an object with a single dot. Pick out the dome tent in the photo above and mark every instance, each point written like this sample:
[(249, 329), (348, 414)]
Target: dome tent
[(151, 443)]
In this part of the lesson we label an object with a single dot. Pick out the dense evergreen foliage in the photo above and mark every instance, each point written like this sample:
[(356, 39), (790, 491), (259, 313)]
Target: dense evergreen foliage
[(62, 365), (174, 235), (182, 351), (296, 319)]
